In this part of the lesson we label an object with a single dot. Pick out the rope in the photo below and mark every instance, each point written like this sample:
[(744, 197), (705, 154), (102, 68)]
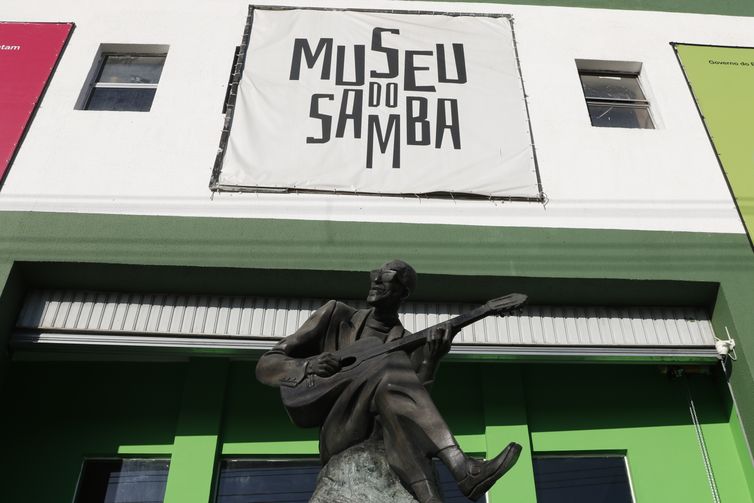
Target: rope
[(702, 444)]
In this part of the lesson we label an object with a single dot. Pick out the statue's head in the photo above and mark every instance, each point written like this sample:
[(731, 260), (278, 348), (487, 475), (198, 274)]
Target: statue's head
[(391, 283)]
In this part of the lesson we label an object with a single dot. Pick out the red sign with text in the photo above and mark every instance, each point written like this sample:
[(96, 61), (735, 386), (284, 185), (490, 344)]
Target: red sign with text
[(28, 54)]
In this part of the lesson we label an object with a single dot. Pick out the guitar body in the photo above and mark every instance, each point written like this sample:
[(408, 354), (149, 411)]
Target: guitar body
[(309, 401)]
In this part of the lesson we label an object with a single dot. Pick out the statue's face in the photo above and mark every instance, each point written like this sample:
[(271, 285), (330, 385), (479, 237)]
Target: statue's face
[(385, 289)]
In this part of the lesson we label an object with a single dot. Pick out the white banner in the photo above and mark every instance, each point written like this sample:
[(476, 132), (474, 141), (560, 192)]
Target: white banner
[(381, 103)]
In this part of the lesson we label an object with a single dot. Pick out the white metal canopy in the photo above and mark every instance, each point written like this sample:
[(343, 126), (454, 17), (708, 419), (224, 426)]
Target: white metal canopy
[(238, 323)]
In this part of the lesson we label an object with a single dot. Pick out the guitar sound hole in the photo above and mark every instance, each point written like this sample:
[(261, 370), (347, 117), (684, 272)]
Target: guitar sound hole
[(347, 361)]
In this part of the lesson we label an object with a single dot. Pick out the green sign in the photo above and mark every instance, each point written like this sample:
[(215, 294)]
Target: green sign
[(722, 80)]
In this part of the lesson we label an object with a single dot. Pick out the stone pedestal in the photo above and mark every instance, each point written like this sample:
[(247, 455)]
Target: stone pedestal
[(360, 474)]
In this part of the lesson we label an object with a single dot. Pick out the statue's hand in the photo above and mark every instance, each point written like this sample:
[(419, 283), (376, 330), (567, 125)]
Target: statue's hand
[(439, 340), (323, 365)]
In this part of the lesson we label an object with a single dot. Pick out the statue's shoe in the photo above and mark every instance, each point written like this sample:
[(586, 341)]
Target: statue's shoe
[(482, 475)]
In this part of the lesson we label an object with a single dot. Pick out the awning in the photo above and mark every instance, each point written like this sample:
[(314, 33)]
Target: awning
[(247, 325)]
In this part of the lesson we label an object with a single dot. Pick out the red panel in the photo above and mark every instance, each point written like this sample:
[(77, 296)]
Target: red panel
[(28, 54)]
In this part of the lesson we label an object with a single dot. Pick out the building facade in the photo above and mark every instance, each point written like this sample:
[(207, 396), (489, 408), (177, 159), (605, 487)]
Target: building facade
[(138, 286)]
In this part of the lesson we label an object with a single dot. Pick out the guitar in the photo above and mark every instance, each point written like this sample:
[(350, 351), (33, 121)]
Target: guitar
[(308, 402)]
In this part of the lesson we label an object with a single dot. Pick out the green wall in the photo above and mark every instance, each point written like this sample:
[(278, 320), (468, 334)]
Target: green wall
[(57, 413), (60, 412), (644, 414), (328, 259), (10, 299)]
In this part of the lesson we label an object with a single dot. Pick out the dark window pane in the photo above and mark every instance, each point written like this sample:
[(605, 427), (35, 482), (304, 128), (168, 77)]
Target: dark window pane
[(255, 481), (612, 87), (129, 100), (119, 69), (123, 481), (606, 115), (581, 480)]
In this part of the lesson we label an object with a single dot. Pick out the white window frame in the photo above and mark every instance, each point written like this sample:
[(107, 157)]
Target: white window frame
[(624, 69)]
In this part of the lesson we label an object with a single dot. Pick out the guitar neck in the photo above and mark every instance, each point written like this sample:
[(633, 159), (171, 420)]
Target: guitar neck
[(500, 305), (420, 337)]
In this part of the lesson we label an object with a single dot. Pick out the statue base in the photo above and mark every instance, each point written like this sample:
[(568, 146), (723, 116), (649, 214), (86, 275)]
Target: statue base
[(360, 474)]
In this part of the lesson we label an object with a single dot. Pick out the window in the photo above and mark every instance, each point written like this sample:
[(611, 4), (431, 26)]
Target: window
[(258, 481), (591, 478), (292, 481), (613, 94), (123, 481), (124, 80)]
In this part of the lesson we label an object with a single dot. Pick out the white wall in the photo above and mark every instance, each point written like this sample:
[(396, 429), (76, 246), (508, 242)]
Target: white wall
[(159, 163)]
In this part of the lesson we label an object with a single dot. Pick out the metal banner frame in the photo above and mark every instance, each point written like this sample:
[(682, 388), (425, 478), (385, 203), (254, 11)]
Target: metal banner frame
[(237, 70)]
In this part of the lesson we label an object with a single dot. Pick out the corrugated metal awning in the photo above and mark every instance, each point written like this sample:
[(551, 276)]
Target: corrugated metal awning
[(254, 323)]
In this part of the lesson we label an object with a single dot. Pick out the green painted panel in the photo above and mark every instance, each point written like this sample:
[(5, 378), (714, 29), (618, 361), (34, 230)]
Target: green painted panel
[(724, 7), (744, 455), (718, 423), (11, 295), (56, 414), (740, 378), (255, 419), (640, 412), (722, 80), (275, 449), (197, 435), (505, 419), (475, 444), (465, 416), (484, 252), (146, 450)]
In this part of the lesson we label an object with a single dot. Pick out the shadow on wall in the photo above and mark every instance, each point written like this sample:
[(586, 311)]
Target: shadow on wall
[(594, 397)]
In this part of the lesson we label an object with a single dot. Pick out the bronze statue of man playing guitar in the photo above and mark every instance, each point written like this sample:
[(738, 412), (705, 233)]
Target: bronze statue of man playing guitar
[(349, 371)]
